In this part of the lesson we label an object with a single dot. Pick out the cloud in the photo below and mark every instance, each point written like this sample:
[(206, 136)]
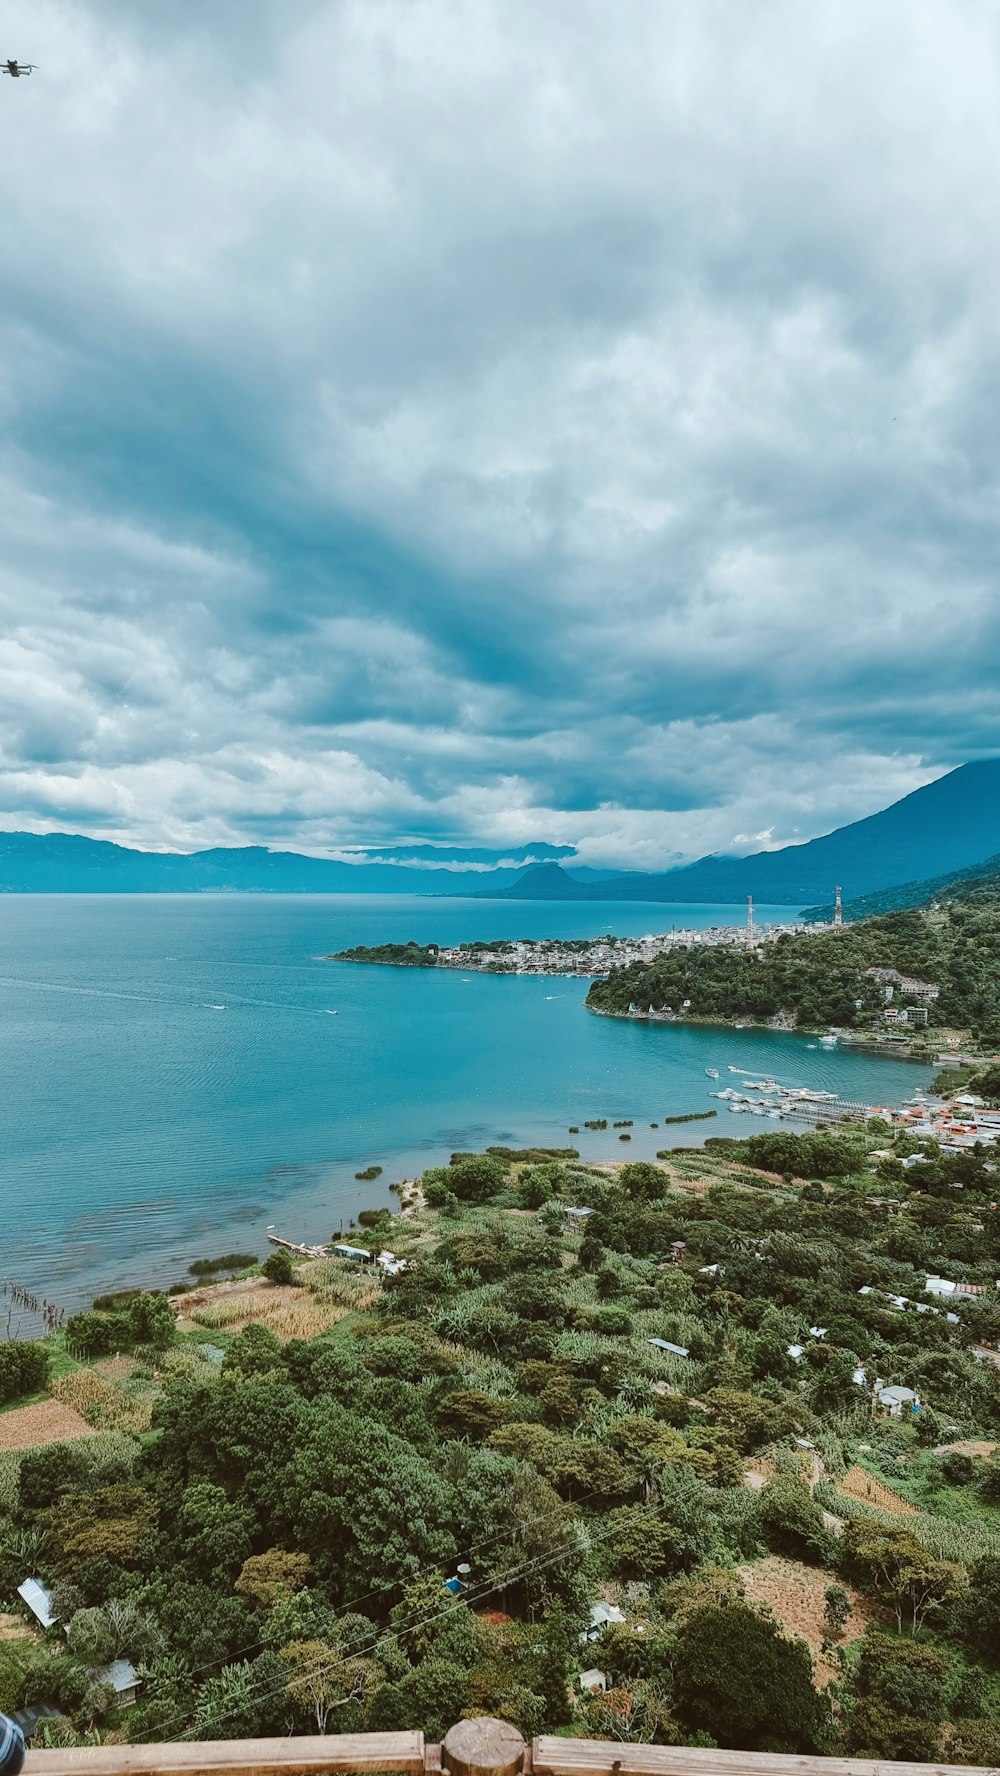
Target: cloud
[(438, 419)]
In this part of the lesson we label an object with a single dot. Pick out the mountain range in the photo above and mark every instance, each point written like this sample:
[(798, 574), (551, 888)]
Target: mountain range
[(950, 826)]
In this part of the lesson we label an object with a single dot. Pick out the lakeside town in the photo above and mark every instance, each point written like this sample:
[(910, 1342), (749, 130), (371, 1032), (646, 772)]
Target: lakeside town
[(587, 958)]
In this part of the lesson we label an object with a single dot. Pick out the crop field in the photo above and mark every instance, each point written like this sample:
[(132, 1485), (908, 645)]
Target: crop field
[(796, 1595), (859, 1484), (287, 1312), (104, 1404), (48, 1421)]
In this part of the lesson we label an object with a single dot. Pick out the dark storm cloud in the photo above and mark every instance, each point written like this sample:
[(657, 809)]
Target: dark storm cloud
[(491, 422)]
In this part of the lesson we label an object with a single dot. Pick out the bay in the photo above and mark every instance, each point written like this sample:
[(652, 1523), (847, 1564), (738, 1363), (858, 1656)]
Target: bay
[(172, 1081)]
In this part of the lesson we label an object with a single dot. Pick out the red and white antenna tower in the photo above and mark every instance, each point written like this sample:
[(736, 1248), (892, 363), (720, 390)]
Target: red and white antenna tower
[(838, 911)]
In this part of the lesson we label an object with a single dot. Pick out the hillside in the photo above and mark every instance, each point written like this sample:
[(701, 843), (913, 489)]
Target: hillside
[(910, 894), (642, 1434), (820, 978), (948, 825)]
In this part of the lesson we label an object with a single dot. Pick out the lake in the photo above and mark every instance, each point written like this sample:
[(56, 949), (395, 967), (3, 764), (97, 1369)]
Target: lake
[(141, 1126)]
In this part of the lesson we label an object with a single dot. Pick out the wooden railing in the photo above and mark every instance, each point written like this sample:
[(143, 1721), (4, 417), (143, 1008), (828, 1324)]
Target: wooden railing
[(472, 1748)]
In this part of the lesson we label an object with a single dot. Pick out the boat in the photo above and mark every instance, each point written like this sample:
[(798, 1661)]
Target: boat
[(331, 1013), (215, 1008), (711, 1072), (828, 1041)]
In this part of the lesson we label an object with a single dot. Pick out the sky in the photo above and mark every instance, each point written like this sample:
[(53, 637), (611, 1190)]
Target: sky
[(480, 423)]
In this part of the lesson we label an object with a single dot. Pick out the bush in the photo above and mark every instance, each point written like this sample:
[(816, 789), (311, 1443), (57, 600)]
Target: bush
[(791, 1521), (471, 1177), (24, 1368), (278, 1267)]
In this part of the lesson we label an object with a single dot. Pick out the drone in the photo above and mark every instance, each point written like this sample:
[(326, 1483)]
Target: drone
[(16, 69)]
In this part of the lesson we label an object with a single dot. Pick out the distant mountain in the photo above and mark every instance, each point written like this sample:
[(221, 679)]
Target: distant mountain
[(65, 863), (947, 826), (549, 881)]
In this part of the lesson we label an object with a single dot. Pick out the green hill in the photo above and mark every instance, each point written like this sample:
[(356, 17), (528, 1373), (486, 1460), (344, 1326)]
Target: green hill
[(822, 978)]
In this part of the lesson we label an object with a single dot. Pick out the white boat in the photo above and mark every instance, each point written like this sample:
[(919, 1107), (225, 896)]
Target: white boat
[(828, 1041), (711, 1072), (215, 1008)]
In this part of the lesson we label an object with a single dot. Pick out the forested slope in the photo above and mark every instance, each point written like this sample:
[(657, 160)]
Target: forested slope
[(820, 978), (269, 1544)]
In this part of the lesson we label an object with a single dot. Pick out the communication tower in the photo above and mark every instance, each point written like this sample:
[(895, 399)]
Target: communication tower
[(838, 911), (749, 919)]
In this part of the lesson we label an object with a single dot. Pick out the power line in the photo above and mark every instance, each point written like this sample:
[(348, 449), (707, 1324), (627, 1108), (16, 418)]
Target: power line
[(538, 1564)]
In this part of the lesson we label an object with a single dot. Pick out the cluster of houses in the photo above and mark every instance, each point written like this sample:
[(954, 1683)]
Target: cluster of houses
[(958, 1123), (120, 1676), (597, 956), (907, 987)]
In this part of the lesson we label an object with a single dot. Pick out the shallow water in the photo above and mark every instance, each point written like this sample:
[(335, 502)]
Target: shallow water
[(141, 1127)]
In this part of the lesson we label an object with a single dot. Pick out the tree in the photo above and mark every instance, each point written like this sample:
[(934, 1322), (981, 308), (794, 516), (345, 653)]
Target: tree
[(737, 1677), (641, 1544), (753, 1421), (151, 1319), (24, 1369), (367, 1507), (553, 1675), (213, 1531), (791, 1521), (266, 1577), (90, 1638), (895, 1565), (474, 1178), (982, 1612), (466, 1413), (643, 1182), (278, 1267), (428, 1700), (254, 1351), (837, 1612), (900, 1688), (323, 1678)]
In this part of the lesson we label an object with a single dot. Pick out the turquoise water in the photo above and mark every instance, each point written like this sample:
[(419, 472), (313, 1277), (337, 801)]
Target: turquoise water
[(140, 1127)]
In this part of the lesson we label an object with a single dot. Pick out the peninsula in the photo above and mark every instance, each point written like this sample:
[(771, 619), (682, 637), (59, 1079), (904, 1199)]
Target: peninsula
[(927, 974), (585, 957)]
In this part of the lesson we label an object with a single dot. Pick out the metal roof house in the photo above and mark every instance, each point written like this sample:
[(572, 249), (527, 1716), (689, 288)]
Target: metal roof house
[(664, 1344), (39, 1601), (122, 1677), (895, 1398), (593, 1682)]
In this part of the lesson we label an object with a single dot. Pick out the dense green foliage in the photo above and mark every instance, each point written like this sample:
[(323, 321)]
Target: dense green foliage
[(24, 1368), (140, 1319), (273, 1555), (821, 978), (392, 955)]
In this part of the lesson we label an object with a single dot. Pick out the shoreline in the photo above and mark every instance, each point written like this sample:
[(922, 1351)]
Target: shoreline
[(867, 1041)]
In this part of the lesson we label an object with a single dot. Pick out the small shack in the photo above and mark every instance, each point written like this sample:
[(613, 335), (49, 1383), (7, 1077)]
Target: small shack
[(593, 1682), (39, 1600), (893, 1400), (122, 1677)]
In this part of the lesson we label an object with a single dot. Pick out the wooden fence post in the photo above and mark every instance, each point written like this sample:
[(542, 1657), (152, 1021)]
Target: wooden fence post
[(483, 1747)]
